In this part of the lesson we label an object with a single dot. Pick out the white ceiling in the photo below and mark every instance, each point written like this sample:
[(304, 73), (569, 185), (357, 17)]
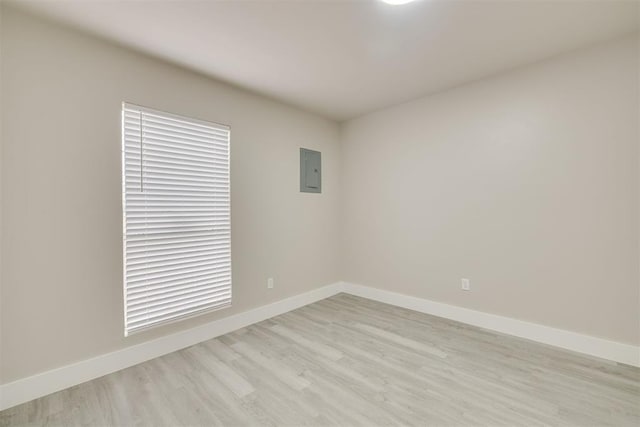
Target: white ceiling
[(346, 58)]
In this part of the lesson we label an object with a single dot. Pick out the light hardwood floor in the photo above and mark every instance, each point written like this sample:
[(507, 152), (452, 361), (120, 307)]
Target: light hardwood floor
[(351, 361)]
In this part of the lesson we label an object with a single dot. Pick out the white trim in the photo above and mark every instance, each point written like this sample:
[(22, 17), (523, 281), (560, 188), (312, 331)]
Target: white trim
[(26, 389), (175, 116), (598, 347), (48, 382)]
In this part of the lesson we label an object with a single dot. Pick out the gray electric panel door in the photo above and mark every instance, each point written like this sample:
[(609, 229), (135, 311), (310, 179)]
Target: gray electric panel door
[(310, 171)]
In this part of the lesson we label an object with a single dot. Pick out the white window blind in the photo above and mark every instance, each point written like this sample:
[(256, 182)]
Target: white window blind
[(176, 207)]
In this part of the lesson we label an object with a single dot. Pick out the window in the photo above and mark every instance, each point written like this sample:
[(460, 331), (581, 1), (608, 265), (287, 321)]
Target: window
[(177, 225)]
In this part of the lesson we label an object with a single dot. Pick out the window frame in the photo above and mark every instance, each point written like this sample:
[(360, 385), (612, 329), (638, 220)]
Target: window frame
[(128, 107)]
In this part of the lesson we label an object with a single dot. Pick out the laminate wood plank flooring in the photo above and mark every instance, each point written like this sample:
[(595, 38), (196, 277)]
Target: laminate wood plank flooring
[(349, 361)]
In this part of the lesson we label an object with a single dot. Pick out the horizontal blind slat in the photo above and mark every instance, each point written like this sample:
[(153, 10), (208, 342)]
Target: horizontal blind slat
[(141, 323), (149, 261), (138, 232), (162, 300), (162, 162), (158, 211), (164, 241), (176, 147), (174, 267), (176, 198), (212, 279), (161, 237), (174, 120), (178, 276), (167, 307), (141, 253), (149, 153), (186, 142)]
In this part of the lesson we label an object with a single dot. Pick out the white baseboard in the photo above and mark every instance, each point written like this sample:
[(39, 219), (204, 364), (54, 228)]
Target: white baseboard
[(598, 347), (26, 389)]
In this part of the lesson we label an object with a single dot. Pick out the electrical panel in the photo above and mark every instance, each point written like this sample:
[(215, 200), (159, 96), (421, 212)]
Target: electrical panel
[(310, 171)]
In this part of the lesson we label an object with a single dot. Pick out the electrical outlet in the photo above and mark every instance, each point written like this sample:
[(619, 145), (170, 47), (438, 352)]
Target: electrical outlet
[(270, 283), (466, 285)]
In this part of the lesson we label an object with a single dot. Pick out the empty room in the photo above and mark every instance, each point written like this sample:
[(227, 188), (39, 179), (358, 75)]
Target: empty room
[(319, 213)]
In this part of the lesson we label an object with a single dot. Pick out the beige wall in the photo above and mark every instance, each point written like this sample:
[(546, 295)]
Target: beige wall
[(61, 213), (526, 183)]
